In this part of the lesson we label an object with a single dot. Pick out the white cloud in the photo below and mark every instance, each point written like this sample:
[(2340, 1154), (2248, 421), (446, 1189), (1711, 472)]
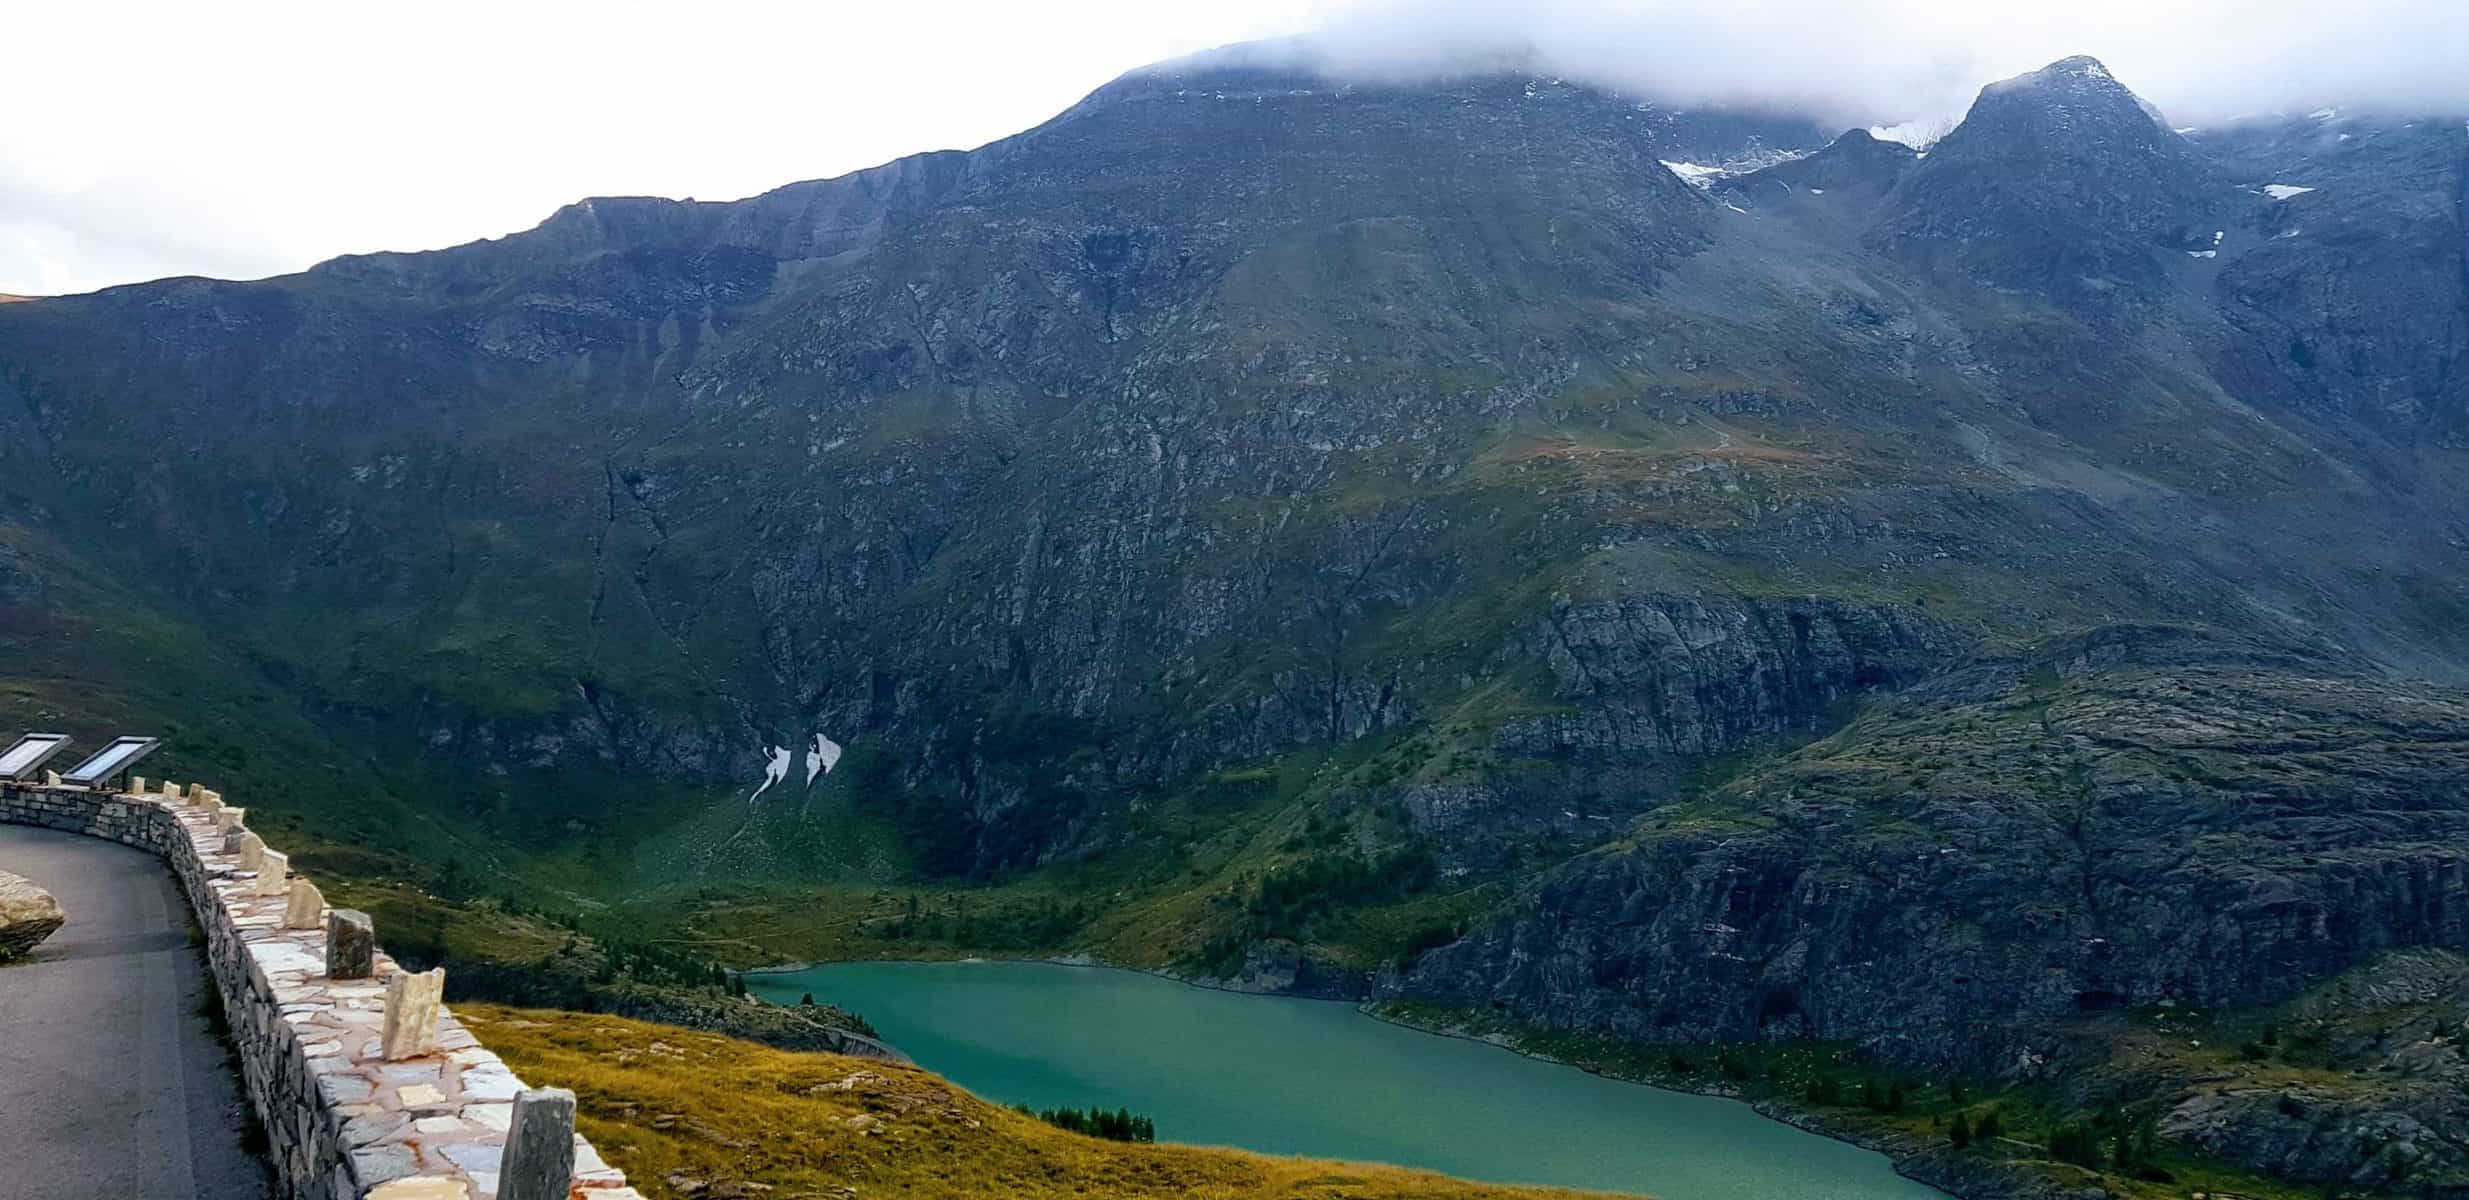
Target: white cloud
[(1890, 62), (154, 137), (147, 137)]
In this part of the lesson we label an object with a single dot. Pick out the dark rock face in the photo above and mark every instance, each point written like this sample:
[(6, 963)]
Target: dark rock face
[(1855, 168), (2384, 353), (1941, 881), (1681, 677)]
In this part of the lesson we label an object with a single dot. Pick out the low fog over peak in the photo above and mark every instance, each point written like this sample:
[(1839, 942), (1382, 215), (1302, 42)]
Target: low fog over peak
[(200, 155), (1914, 65)]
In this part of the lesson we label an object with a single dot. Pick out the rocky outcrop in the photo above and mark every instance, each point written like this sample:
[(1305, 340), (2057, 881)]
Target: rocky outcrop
[(1929, 1159), (1280, 967), (2389, 1138), (1676, 677), (1940, 882), (2386, 1108), (28, 914)]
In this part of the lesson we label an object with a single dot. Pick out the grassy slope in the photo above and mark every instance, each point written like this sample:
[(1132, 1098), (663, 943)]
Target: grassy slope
[(671, 1106), (1153, 901)]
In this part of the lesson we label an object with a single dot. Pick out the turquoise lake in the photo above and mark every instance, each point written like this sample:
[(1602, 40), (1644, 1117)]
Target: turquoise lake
[(1318, 1078)]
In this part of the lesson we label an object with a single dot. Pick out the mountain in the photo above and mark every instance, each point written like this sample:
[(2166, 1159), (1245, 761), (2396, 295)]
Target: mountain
[(1853, 167), (1385, 540), (2060, 181)]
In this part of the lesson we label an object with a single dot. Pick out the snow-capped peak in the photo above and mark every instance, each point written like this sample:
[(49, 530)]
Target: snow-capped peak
[(1918, 134)]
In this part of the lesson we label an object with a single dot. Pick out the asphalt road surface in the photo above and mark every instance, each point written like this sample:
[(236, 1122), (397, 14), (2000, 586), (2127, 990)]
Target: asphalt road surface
[(113, 1081)]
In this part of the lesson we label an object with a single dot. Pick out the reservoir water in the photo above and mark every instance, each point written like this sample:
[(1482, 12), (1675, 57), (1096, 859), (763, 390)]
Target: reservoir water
[(1318, 1078)]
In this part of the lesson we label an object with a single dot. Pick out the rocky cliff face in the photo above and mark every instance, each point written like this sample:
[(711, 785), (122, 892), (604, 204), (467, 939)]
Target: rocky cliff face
[(2394, 1024), (1677, 678), (1943, 880), (2383, 355)]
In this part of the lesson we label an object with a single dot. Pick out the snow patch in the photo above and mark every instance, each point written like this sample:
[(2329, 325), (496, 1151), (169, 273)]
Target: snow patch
[(773, 772), (821, 758), (1704, 175), (1919, 135), (1697, 175), (2282, 191)]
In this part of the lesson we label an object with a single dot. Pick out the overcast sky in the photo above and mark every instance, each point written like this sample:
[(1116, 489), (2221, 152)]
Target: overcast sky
[(147, 139)]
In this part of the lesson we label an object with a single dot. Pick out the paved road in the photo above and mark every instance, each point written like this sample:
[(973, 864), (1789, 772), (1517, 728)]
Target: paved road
[(112, 1079)]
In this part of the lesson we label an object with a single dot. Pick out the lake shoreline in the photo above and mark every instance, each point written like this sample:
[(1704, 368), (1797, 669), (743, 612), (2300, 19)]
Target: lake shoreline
[(1908, 1156), (1912, 1158)]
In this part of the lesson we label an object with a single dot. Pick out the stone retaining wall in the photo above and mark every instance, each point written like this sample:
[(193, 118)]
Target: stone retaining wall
[(342, 1123)]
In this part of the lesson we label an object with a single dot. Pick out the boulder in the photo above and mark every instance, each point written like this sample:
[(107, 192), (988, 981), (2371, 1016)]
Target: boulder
[(28, 914)]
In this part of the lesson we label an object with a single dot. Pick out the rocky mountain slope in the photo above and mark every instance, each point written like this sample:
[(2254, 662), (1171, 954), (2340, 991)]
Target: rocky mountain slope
[(1397, 539), (2119, 821)]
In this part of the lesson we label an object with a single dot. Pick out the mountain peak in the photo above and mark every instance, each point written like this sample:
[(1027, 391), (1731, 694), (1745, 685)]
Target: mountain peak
[(2079, 73), (1855, 164), (2078, 87), (2057, 177), (2077, 66)]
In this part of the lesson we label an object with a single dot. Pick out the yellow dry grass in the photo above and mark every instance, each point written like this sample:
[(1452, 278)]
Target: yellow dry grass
[(687, 1113)]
